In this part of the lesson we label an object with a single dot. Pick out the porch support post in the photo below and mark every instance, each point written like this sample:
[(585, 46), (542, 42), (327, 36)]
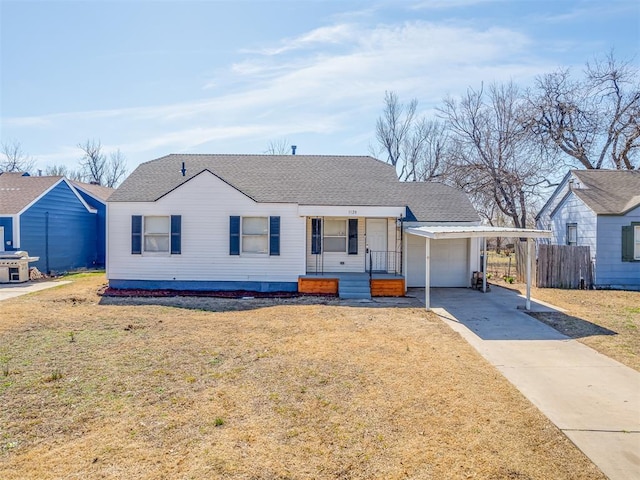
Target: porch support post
[(529, 255), (427, 273), (405, 240), (484, 264)]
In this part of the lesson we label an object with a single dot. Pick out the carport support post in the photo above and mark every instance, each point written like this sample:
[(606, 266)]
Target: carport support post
[(427, 273), (484, 264), (529, 245)]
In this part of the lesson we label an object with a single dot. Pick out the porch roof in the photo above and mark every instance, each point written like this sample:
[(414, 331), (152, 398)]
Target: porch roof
[(476, 231)]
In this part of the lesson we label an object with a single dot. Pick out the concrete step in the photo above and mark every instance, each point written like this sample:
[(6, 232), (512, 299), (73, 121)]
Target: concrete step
[(354, 288), (357, 296)]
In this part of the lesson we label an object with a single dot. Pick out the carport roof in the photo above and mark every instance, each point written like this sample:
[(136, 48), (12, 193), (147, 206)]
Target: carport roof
[(476, 231)]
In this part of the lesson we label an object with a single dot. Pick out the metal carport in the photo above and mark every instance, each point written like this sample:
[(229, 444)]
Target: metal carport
[(478, 231)]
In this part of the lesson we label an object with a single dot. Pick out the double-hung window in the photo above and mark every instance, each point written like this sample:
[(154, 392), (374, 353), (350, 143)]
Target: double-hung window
[(255, 235), (636, 236), (157, 234), (335, 236)]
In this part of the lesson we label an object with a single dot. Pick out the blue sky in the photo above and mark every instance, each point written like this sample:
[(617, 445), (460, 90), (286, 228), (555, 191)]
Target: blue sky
[(159, 77)]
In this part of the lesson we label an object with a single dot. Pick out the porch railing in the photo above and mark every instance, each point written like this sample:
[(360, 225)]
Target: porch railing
[(384, 261)]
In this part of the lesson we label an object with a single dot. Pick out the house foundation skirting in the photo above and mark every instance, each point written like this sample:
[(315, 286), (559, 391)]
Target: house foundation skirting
[(200, 285)]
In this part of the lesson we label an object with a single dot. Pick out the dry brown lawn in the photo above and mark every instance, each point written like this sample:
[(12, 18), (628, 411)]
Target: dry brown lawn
[(256, 389), (606, 320)]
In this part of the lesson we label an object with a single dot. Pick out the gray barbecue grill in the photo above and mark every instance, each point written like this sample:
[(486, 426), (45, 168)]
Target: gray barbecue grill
[(14, 266)]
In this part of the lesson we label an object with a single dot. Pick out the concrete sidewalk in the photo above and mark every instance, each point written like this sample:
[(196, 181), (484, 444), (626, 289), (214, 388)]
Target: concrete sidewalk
[(11, 290), (593, 399)]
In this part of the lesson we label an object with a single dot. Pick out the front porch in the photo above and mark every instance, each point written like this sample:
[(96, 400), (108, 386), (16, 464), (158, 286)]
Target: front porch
[(353, 285)]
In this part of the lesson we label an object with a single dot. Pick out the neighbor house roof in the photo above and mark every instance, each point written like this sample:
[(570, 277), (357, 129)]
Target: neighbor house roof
[(17, 191), (302, 179), (98, 191), (608, 192)]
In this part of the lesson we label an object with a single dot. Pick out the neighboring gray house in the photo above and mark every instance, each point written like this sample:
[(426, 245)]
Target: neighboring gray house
[(600, 209), (262, 222)]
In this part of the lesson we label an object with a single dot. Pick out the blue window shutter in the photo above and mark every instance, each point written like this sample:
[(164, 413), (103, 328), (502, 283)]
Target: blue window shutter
[(234, 235), (136, 234), (353, 236), (176, 233), (274, 235), (316, 236)]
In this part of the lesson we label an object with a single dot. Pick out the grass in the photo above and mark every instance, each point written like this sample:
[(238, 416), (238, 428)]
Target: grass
[(276, 389), (605, 320)]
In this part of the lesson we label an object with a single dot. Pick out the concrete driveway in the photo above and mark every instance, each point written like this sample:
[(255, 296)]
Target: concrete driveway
[(593, 399), (11, 290)]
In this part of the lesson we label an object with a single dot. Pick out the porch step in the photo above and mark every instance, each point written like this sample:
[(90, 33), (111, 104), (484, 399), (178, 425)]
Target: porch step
[(354, 288)]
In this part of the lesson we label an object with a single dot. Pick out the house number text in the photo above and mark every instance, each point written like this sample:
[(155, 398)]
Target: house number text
[(353, 212)]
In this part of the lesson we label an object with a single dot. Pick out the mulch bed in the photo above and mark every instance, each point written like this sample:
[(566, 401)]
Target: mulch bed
[(117, 292)]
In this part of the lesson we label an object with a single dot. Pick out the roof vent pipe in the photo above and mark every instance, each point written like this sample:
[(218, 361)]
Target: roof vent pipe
[(183, 170), (293, 149)]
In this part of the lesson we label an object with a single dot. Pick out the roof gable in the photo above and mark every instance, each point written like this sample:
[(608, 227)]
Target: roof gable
[(17, 191)]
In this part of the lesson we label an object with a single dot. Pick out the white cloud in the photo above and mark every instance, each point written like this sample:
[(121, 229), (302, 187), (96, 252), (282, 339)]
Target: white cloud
[(297, 88)]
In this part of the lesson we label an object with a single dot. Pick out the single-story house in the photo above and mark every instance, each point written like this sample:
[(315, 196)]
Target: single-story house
[(281, 223), (51, 217), (599, 209)]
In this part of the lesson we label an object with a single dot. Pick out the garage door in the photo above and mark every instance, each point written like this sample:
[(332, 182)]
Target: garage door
[(449, 262)]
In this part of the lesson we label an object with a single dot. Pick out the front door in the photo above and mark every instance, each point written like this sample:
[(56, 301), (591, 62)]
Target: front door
[(377, 244)]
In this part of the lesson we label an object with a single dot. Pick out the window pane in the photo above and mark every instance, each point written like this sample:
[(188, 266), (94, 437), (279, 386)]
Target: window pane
[(573, 234), (335, 228), (335, 244), (156, 243), (636, 253), (255, 226), (156, 225), (254, 244)]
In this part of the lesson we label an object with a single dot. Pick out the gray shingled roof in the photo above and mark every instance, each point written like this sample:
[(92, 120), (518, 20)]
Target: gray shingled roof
[(18, 191), (609, 192), (301, 179), (436, 202)]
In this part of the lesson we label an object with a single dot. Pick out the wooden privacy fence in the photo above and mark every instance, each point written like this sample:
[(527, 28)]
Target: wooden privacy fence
[(564, 266)]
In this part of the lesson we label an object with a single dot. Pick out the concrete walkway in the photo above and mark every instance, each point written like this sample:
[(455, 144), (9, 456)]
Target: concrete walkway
[(11, 290), (593, 399)]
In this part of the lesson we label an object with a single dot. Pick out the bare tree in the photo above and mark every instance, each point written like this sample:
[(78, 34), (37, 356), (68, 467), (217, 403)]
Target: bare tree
[(416, 146), (14, 159), (63, 171), (93, 162), (96, 168), (278, 147), (594, 120), (116, 169), (494, 159)]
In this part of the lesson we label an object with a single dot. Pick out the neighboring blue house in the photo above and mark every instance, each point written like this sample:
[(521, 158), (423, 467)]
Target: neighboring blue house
[(60, 221), (600, 209)]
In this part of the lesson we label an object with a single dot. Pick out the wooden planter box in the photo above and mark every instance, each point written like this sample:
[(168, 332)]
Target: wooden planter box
[(387, 287), (323, 286)]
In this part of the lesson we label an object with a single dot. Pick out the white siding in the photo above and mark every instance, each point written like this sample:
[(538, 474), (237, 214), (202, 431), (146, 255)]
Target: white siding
[(611, 271), (205, 203), (573, 210)]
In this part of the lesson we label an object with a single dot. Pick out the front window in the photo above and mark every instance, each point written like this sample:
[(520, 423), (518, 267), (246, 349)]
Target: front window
[(572, 234), (255, 235), (636, 236), (335, 236), (157, 234)]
